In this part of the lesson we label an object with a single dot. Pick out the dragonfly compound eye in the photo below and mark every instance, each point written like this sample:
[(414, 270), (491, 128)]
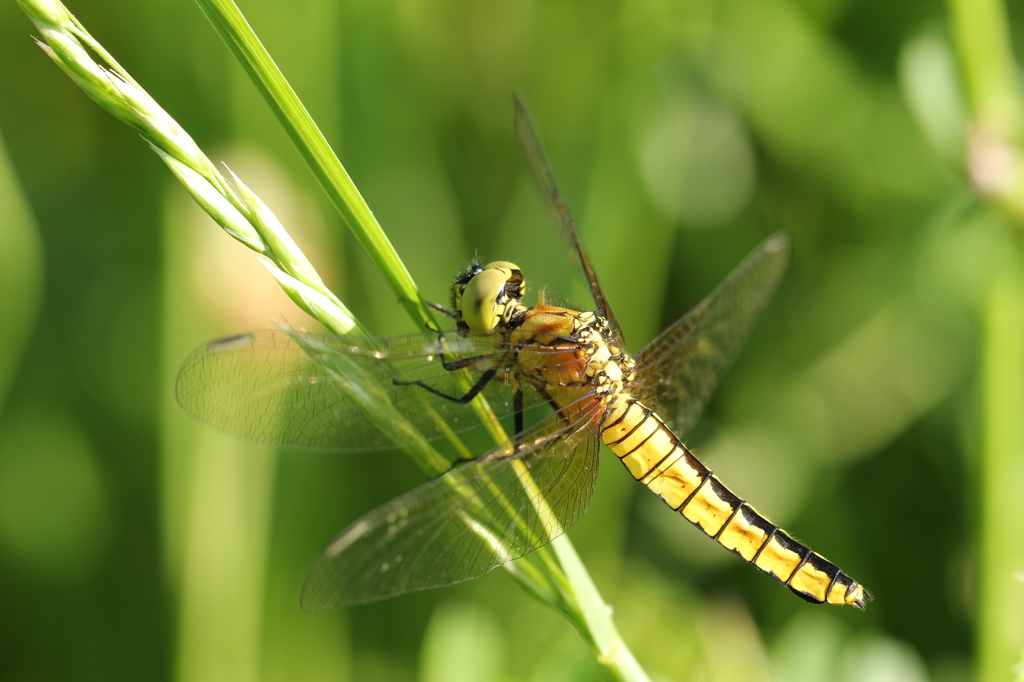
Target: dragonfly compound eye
[(515, 286), (489, 296), (481, 304)]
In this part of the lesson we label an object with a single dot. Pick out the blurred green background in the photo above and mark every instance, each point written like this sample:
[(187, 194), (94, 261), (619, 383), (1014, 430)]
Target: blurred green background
[(135, 545)]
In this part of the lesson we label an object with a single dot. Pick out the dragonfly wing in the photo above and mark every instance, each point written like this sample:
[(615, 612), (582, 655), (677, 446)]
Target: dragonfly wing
[(312, 391), (478, 516), (683, 364), (537, 158), (325, 392)]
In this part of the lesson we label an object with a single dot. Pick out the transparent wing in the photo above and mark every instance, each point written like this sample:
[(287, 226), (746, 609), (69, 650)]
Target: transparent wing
[(311, 391), (537, 158), (683, 364), (478, 516)]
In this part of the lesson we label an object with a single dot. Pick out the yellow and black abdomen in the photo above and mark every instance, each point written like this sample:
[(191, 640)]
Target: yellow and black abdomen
[(656, 458)]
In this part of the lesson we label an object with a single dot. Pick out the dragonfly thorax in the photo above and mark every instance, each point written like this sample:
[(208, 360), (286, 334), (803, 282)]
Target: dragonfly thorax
[(583, 364), (489, 297), (609, 369)]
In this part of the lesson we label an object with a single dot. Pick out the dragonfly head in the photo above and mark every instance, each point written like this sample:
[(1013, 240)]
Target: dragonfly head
[(488, 296)]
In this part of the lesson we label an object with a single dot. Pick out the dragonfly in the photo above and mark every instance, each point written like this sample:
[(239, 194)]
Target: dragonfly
[(340, 393)]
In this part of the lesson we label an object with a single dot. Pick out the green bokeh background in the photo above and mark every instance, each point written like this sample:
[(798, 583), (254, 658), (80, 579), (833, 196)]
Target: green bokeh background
[(135, 545)]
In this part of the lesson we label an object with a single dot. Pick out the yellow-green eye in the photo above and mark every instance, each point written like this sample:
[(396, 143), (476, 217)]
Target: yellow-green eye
[(515, 286), (486, 297), (479, 304)]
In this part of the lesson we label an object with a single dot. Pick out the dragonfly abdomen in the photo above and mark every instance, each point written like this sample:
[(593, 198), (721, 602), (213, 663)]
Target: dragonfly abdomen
[(656, 458)]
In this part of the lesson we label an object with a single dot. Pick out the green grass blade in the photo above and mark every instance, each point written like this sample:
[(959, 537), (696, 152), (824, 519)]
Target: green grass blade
[(232, 27)]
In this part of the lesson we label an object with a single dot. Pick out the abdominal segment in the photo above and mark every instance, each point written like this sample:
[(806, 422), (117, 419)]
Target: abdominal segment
[(656, 458)]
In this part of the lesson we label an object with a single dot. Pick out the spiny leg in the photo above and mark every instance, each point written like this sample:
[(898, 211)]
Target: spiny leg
[(518, 420), (480, 385), (444, 310), (452, 365)]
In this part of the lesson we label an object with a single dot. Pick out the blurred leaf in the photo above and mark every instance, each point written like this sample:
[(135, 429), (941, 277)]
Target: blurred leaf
[(54, 510), (21, 272), (463, 643)]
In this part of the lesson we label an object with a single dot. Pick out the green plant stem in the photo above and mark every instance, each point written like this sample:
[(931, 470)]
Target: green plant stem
[(995, 156), (1000, 630), (995, 163), (246, 47), (986, 58), (593, 619)]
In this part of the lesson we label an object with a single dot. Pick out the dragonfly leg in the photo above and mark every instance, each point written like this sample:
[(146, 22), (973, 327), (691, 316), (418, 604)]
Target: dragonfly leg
[(462, 363), (517, 409), (485, 379), (444, 310)]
